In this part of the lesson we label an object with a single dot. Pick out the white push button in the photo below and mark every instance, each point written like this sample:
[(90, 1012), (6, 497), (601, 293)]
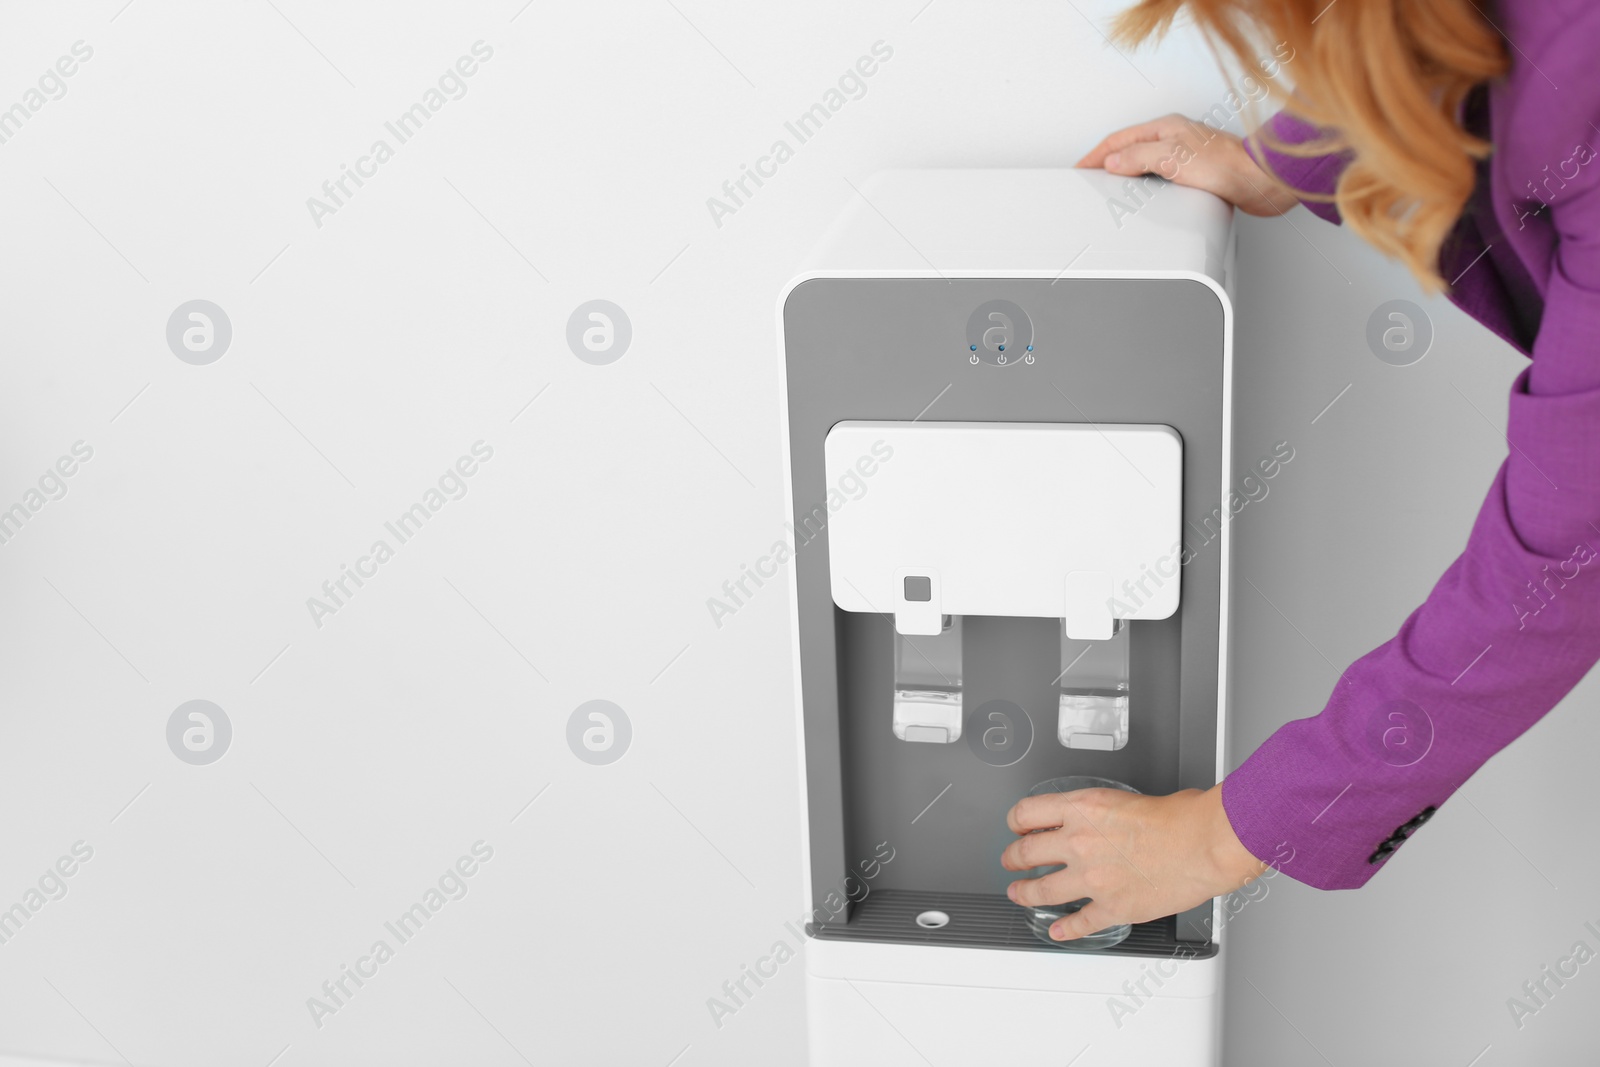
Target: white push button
[(1087, 611)]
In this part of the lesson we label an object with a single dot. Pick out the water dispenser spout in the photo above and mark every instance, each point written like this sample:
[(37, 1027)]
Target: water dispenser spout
[(1094, 690), (927, 684)]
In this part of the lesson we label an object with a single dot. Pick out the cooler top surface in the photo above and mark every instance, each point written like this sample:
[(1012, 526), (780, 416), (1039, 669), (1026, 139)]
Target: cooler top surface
[(1033, 222)]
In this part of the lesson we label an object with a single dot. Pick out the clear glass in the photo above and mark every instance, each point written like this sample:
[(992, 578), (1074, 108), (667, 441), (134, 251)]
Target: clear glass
[(927, 685), (1094, 691), (1040, 919)]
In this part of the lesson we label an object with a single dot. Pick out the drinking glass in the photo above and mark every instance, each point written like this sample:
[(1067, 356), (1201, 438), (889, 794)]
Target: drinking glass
[(1041, 918)]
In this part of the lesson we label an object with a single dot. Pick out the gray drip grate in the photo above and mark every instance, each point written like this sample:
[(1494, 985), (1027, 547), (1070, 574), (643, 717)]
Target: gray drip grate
[(979, 920)]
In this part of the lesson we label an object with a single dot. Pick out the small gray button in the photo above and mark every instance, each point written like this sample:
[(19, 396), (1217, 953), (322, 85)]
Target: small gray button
[(919, 590)]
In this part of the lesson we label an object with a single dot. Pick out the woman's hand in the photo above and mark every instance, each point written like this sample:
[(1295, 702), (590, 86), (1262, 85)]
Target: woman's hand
[(1136, 857), (1193, 154)]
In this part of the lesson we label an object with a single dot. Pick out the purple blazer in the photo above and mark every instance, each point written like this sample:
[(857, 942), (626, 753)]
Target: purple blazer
[(1514, 623)]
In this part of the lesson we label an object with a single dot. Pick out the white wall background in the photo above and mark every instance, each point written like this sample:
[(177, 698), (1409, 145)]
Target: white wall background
[(369, 353)]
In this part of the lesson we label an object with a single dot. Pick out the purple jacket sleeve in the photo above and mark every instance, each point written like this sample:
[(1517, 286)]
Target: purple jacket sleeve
[(1510, 628), (1304, 174)]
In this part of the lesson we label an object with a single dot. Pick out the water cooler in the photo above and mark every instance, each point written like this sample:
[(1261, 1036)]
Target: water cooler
[(1006, 427)]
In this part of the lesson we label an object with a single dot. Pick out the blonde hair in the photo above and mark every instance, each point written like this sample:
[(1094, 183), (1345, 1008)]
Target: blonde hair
[(1387, 80)]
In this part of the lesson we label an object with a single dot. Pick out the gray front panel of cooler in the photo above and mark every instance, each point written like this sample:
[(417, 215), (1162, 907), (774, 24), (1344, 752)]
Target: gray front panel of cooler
[(1106, 351)]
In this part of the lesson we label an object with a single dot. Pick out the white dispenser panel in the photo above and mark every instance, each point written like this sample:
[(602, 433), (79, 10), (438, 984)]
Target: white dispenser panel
[(1073, 521)]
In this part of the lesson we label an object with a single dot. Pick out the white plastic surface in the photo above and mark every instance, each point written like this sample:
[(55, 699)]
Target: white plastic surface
[(1039, 223), (1047, 520), (887, 1005)]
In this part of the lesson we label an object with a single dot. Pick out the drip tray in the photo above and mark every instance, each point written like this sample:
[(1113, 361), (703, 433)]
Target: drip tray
[(981, 920)]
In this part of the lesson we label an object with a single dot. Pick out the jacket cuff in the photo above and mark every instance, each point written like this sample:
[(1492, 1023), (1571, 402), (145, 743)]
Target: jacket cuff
[(1303, 174)]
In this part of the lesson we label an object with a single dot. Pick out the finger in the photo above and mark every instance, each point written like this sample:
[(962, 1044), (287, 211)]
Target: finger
[(1036, 850), (1154, 130), (1057, 888), (1166, 158), (1091, 918), (1162, 128), (1053, 811), (1178, 163), (1035, 813)]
